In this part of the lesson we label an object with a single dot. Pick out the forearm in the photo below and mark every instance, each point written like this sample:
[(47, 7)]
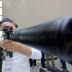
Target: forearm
[(17, 47), (23, 49)]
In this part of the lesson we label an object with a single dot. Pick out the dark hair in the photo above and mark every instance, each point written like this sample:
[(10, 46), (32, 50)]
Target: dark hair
[(8, 20)]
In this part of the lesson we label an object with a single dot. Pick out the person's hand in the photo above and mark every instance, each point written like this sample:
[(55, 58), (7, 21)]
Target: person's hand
[(10, 45)]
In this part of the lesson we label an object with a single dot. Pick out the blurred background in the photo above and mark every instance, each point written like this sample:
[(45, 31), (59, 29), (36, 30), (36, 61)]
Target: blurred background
[(31, 12), (0, 10)]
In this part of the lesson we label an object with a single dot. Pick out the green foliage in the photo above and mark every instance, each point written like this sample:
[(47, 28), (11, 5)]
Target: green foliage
[(1, 52)]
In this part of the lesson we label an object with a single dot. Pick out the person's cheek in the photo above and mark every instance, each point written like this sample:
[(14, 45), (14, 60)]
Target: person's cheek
[(13, 28)]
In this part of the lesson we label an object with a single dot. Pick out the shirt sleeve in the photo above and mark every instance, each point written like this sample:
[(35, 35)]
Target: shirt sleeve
[(36, 54)]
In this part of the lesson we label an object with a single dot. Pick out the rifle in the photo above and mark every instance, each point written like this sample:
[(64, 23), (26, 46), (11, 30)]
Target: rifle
[(53, 37), (7, 31)]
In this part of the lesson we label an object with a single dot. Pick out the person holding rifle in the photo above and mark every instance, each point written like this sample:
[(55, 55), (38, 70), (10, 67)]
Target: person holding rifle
[(19, 62)]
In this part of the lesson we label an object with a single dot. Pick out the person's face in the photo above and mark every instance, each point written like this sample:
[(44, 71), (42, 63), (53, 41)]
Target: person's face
[(8, 24)]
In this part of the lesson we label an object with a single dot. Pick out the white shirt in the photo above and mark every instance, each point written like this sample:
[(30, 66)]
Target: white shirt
[(19, 62)]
